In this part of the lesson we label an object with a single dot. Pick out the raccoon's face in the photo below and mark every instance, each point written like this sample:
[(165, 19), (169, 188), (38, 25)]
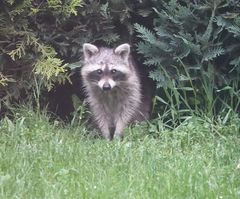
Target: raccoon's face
[(104, 67)]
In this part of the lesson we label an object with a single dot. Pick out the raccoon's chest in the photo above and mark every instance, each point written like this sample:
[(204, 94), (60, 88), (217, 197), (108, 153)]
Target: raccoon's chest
[(113, 101), (109, 102)]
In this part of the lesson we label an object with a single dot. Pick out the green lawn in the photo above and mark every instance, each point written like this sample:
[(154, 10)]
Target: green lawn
[(39, 159)]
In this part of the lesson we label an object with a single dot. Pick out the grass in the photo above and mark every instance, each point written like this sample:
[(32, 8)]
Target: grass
[(42, 159)]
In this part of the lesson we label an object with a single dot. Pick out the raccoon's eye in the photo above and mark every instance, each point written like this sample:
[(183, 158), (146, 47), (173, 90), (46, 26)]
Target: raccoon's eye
[(113, 71), (99, 71)]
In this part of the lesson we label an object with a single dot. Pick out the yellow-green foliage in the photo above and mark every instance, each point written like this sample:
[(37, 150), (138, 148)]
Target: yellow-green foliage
[(68, 7), (48, 66), (4, 80), (51, 70)]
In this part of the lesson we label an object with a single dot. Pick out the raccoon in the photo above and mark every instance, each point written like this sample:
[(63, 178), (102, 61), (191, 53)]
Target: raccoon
[(113, 89)]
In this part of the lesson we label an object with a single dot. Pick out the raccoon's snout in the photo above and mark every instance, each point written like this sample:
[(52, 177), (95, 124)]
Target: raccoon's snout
[(106, 86)]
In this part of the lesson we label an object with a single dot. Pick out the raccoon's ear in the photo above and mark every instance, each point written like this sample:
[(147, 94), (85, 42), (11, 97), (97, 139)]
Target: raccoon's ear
[(89, 50), (123, 50)]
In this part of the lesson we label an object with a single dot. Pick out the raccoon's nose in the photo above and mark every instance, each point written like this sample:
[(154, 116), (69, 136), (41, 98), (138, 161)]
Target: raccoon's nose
[(106, 86)]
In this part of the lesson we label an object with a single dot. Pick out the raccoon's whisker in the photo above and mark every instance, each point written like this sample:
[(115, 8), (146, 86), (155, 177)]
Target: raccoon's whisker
[(93, 80), (124, 88), (95, 83)]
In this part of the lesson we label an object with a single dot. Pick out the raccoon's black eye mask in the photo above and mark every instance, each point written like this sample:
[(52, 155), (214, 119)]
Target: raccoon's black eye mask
[(118, 75), (95, 75), (114, 74)]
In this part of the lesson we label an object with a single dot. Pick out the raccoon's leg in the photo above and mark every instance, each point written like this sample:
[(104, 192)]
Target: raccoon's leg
[(105, 132), (101, 120), (120, 125)]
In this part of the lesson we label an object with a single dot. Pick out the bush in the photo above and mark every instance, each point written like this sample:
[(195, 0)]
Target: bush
[(193, 49)]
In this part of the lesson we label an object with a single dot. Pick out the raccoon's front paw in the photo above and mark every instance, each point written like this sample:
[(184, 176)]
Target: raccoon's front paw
[(107, 137), (118, 137)]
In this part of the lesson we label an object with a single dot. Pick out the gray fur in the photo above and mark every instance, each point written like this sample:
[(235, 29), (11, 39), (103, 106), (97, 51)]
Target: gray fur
[(113, 110)]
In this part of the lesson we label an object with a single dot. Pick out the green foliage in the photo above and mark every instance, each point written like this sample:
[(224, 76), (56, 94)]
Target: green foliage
[(79, 114), (194, 48)]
